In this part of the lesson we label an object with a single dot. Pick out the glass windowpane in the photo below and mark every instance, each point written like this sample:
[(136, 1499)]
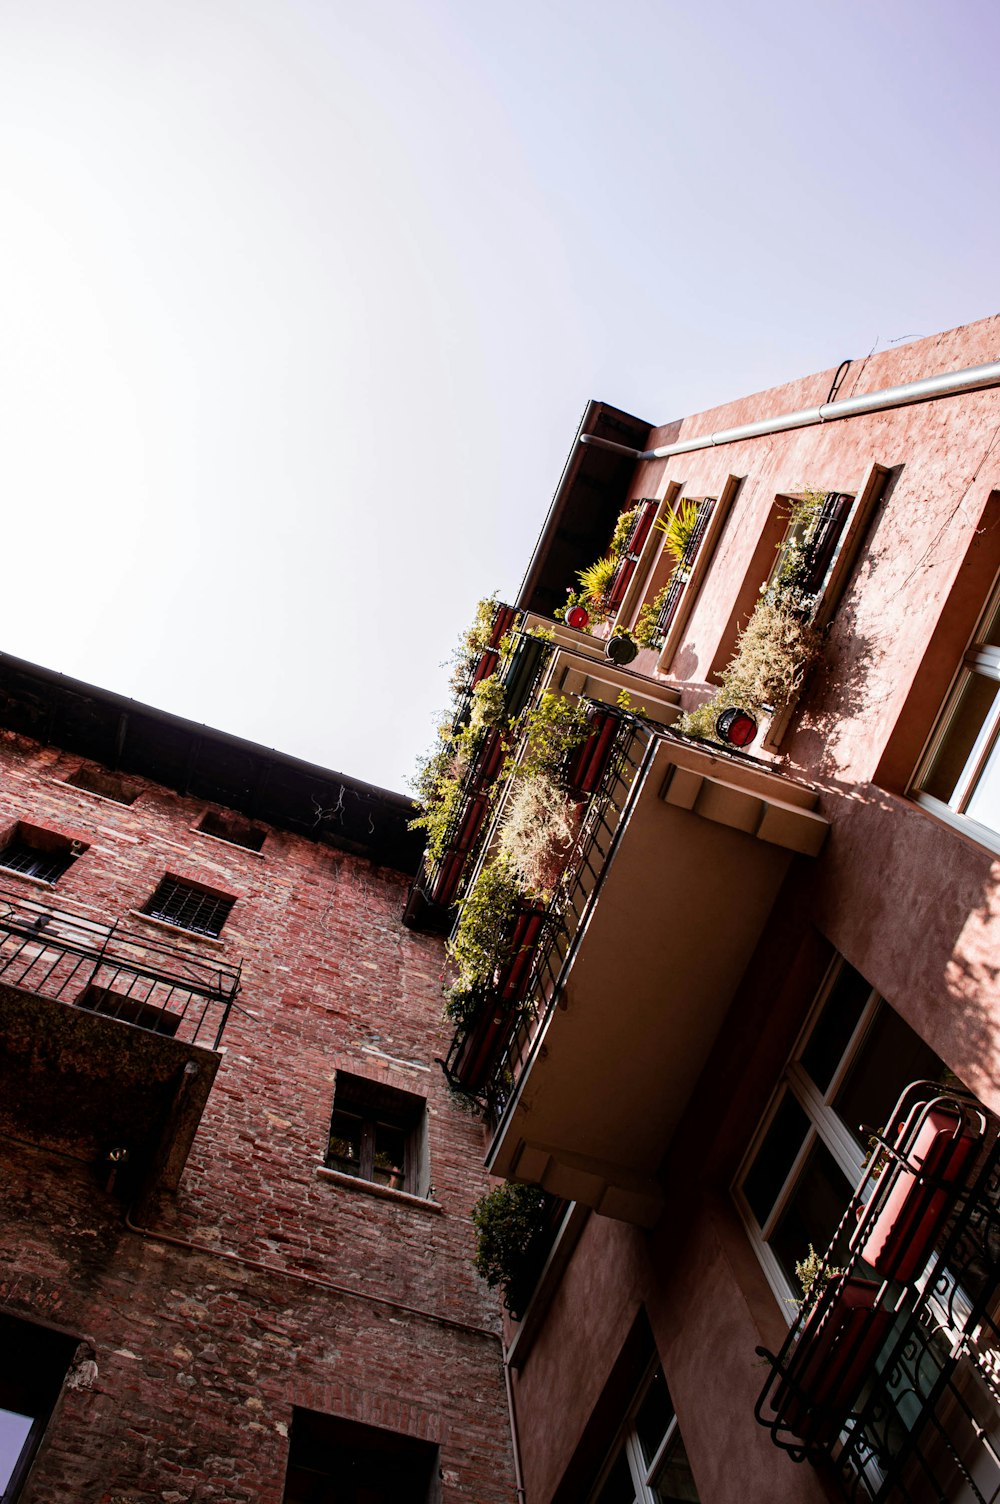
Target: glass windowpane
[(974, 707), (654, 1416), (390, 1156), (835, 1025), (775, 1158), (345, 1143), (890, 1058), (14, 1429), (812, 1213), (674, 1483)]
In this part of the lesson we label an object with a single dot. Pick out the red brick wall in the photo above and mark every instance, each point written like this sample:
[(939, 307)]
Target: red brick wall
[(201, 1356)]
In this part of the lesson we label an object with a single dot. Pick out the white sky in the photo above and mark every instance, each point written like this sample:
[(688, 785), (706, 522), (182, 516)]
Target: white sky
[(301, 302)]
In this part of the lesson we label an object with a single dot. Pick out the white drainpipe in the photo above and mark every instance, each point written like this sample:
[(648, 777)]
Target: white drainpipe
[(947, 385)]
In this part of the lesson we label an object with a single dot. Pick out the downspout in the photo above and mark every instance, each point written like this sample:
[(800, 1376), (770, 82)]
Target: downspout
[(515, 1440), (971, 379)]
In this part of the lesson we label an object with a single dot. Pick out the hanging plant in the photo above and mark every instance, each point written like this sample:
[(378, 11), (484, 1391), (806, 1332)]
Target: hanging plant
[(539, 827), (507, 1220), (481, 942)]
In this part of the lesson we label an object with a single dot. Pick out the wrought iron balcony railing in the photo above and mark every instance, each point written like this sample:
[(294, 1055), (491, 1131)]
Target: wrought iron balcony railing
[(889, 1380), (520, 1017), (445, 881), (115, 970)]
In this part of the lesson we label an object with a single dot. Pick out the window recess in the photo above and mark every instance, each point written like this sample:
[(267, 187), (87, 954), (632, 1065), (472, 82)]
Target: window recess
[(648, 1463), (42, 854), (378, 1133), (675, 601), (959, 777), (188, 907)]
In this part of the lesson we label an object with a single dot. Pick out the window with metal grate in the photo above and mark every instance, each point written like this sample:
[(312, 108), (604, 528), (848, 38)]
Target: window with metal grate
[(39, 853), (190, 908)]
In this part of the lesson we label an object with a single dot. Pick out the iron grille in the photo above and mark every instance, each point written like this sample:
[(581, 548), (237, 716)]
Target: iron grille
[(115, 970), (47, 866), (890, 1379), (188, 907), (681, 575), (606, 815), (822, 545)]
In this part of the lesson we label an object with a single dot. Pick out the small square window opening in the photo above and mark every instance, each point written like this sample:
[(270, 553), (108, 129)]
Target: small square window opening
[(229, 827), (38, 853), (190, 908), (377, 1134), (107, 785)]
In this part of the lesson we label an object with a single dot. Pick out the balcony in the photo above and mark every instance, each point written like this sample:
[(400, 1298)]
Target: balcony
[(889, 1379), (109, 1041), (680, 856)]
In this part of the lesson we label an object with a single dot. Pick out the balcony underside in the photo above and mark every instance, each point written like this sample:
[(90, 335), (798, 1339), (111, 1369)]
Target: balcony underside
[(89, 1086), (682, 905)]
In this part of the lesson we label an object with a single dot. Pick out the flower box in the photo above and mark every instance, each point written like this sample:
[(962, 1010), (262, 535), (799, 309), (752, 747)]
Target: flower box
[(912, 1200), (835, 1352), (589, 761)]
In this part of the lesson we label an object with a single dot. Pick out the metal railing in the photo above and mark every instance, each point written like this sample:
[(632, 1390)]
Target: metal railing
[(603, 822), (890, 1379), (448, 878), (116, 970)]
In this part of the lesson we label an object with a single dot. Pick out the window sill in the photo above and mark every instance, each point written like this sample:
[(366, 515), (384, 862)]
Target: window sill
[(25, 877), (177, 929), (64, 783), (206, 835), (383, 1192)]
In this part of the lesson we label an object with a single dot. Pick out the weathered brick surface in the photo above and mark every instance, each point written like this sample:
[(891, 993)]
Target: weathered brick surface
[(200, 1356)]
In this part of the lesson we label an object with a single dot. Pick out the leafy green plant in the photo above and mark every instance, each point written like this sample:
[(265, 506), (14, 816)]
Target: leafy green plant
[(814, 1275), (595, 582), (803, 514), (678, 528), (645, 630), (623, 529), (488, 703), (540, 824), (481, 942), (776, 650), (506, 1220), (553, 728)]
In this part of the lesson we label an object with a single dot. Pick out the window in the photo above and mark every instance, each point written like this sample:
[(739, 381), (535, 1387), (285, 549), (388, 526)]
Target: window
[(648, 1463), (33, 1365), (377, 1133), (813, 538), (191, 908), (107, 785), (848, 1070), (333, 1461), (229, 827), (960, 775), (39, 853)]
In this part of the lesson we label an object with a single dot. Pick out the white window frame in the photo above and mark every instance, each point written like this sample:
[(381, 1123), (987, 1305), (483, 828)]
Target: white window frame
[(982, 660), (825, 1125), (627, 1440)]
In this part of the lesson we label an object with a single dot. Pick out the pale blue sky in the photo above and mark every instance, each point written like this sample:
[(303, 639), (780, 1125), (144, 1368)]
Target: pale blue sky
[(300, 303)]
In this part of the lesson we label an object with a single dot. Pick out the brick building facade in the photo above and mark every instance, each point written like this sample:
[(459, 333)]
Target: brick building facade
[(204, 1327)]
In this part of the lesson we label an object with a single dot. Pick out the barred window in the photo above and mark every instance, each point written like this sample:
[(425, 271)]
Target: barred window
[(39, 853), (189, 907)]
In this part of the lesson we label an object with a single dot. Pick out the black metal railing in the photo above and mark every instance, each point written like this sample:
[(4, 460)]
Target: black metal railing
[(603, 821), (682, 573), (116, 970), (446, 880), (890, 1379)]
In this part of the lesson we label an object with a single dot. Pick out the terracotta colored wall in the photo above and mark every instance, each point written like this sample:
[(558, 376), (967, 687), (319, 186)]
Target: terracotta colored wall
[(912, 903), (200, 1359)]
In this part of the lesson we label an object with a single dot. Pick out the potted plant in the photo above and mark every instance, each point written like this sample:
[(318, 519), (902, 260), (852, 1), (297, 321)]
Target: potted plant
[(508, 1220)]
